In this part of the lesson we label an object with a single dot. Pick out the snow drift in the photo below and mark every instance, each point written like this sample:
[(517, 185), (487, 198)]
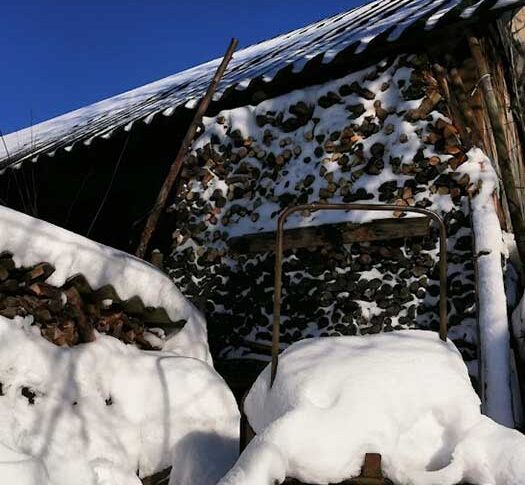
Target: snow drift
[(406, 395), (97, 413), (105, 413), (33, 241)]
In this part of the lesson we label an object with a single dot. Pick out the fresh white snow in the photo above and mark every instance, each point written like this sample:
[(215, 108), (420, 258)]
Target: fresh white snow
[(102, 411), (97, 413), (20, 469), (33, 241), (405, 395), (493, 319)]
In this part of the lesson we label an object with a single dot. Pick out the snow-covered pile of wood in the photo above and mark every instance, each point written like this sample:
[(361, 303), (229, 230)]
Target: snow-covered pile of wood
[(91, 410), (379, 135), (73, 287), (106, 413), (70, 314)]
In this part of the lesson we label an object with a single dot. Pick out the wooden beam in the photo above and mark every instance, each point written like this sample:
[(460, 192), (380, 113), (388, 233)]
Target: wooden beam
[(333, 235)]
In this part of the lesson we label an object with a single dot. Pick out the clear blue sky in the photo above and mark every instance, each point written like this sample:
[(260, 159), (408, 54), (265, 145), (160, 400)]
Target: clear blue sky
[(59, 55)]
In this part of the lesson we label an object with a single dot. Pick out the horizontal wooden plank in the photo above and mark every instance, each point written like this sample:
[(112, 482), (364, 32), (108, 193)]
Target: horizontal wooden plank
[(333, 235)]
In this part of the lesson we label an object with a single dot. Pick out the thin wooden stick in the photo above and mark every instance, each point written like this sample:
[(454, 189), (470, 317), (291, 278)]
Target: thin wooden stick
[(154, 216)]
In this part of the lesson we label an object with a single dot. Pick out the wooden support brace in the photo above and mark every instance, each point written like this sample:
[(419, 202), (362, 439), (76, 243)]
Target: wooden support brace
[(332, 235), (176, 166)]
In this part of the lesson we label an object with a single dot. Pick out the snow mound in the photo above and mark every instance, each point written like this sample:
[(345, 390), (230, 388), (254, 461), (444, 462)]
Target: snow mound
[(33, 241), (96, 413), (406, 395)]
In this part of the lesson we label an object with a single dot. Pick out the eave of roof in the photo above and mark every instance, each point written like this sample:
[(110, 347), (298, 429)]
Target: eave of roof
[(379, 21)]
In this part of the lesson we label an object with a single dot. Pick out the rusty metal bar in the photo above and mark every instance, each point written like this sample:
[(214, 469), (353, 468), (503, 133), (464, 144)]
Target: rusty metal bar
[(276, 334), (154, 216)]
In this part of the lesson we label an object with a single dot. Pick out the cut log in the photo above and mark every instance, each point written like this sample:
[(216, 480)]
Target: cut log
[(40, 272), (426, 107), (134, 306), (44, 290), (106, 292), (80, 283), (156, 316)]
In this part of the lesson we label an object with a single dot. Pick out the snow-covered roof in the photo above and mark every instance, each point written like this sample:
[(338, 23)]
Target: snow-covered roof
[(380, 21)]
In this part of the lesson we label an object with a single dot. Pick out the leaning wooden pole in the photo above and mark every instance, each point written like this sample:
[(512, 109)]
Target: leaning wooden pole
[(176, 166), (502, 149)]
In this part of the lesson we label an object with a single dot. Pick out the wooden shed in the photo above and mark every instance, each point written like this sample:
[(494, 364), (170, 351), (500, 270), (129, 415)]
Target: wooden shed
[(415, 103)]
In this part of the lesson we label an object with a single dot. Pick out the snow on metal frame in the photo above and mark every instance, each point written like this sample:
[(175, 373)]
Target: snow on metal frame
[(358, 27)]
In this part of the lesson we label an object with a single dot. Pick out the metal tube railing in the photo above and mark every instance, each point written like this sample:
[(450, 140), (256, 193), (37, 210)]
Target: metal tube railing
[(276, 333)]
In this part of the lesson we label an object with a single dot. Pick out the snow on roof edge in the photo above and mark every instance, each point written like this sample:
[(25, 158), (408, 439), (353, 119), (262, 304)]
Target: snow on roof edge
[(264, 60)]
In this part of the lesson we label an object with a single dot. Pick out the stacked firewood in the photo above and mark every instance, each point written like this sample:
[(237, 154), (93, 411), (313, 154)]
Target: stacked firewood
[(376, 136), (70, 314)]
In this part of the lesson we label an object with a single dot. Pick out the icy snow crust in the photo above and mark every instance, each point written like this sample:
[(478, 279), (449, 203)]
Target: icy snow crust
[(33, 241), (405, 395), (104, 410), (327, 38)]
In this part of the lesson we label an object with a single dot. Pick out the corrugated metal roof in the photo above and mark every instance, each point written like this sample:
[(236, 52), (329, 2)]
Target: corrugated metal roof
[(379, 20)]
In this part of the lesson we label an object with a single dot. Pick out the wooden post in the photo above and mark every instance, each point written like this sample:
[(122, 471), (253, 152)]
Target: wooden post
[(154, 216), (504, 161)]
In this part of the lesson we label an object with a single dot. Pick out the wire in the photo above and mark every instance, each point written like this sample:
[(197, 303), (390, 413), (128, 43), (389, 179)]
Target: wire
[(115, 170)]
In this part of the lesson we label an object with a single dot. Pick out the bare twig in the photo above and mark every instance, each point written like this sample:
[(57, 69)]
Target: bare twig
[(77, 195)]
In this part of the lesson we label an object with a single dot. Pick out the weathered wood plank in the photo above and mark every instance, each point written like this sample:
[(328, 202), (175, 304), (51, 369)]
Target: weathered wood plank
[(333, 235)]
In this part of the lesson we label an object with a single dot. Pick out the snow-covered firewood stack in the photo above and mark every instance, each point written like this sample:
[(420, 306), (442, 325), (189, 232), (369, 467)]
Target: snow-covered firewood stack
[(379, 135), (73, 288), (102, 411), (70, 314)]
